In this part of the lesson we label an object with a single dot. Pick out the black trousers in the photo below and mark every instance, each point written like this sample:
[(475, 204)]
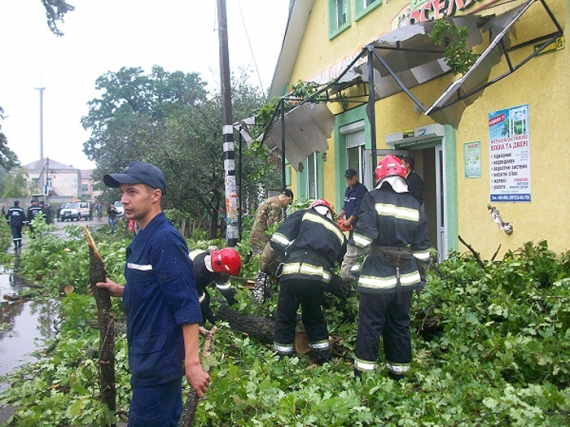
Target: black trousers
[(309, 295), (17, 235), (382, 315)]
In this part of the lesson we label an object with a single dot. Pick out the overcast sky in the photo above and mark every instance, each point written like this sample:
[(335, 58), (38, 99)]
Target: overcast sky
[(105, 35)]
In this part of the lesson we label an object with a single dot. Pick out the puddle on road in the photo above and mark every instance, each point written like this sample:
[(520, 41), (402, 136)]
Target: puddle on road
[(24, 325)]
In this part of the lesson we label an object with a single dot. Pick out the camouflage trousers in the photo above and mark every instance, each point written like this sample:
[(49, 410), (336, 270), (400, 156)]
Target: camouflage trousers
[(261, 288)]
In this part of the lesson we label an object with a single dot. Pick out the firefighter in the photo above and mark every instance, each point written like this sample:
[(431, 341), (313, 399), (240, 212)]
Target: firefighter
[(16, 218), (214, 266), (393, 228), (312, 243), (33, 210)]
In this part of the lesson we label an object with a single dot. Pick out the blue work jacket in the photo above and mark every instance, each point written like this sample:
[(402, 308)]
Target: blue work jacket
[(159, 297), (353, 199)]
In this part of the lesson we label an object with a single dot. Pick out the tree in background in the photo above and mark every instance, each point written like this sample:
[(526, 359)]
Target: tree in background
[(55, 11), (172, 121), (14, 184), (8, 159)]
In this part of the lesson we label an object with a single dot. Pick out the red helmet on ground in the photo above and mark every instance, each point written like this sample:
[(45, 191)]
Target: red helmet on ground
[(227, 261), (390, 165), (322, 202)]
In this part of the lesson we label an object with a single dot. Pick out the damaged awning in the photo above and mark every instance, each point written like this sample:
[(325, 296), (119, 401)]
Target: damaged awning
[(407, 57), (463, 92), (307, 129)]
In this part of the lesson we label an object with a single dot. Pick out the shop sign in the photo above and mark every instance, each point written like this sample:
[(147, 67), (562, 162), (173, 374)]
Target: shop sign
[(428, 10), (509, 155)]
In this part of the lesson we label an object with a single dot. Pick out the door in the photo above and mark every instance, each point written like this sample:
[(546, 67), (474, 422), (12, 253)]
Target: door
[(429, 165)]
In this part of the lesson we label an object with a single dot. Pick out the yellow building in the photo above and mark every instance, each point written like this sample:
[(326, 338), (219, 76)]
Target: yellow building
[(485, 138)]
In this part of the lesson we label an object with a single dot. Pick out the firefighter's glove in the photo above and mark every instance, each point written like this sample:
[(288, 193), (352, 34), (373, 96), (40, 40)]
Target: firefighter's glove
[(266, 260), (423, 268), (351, 257), (229, 295)]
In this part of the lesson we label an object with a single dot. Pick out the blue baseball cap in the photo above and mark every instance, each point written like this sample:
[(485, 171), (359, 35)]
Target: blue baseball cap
[(138, 173)]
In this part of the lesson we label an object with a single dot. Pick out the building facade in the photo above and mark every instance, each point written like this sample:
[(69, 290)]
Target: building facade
[(60, 182), (485, 141)]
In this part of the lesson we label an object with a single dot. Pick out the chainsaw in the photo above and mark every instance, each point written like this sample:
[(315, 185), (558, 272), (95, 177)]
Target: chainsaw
[(340, 223)]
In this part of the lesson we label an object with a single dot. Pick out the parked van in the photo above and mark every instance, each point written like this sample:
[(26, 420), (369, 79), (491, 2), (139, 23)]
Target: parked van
[(77, 211)]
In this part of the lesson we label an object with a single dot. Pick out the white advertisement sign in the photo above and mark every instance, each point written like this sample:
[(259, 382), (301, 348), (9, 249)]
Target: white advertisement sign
[(509, 155)]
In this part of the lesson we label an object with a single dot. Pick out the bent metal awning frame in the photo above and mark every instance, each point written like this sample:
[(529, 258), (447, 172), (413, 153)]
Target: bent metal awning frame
[(400, 60)]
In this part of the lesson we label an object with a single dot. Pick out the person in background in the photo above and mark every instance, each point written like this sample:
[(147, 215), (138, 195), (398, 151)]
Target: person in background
[(16, 218), (214, 266), (313, 243), (415, 183), (268, 213), (161, 303), (353, 195), (33, 210), (112, 214), (393, 228)]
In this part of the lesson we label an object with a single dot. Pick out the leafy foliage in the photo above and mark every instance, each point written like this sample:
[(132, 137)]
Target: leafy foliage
[(491, 347), (55, 13), (171, 120), (457, 56)]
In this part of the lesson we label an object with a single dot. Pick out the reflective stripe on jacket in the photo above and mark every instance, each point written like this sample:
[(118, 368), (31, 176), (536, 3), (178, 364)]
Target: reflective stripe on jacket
[(390, 219), (312, 243)]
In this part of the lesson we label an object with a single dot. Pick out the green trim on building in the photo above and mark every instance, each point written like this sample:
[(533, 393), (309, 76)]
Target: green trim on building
[(360, 11), (334, 29), (351, 116), (452, 196)]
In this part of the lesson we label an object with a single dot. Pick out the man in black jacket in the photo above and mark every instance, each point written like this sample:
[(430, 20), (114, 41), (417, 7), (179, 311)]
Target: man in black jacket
[(214, 266), (33, 210), (16, 217), (312, 243)]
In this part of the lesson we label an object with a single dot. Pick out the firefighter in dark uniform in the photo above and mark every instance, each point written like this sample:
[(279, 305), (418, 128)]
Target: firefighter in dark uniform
[(393, 228), (312, 243), (214, 266), (16, 217), (33, 210)]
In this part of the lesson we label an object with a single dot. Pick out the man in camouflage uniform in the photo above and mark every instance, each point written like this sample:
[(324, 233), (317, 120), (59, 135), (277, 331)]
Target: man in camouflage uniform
[(268, 213)]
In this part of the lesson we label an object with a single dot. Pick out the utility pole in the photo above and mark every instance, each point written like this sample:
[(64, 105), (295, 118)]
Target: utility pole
[(232, 230), (41, 89)]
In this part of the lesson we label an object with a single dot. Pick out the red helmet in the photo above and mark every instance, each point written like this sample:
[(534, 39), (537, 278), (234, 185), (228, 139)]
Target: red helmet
[(390, 166), (227, 261), (322, 202)]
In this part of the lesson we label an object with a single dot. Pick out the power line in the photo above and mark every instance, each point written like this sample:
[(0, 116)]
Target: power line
[(250, 48)]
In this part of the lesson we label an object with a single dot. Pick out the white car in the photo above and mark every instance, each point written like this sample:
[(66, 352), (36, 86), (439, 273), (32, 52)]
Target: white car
[(119, 208)]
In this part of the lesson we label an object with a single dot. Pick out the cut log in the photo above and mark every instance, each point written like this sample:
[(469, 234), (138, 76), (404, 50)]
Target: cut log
[(301, 343), (97, 273), (255, 327)]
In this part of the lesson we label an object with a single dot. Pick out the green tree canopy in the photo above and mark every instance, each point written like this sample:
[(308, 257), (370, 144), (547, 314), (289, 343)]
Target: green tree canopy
[(172, 121), (14, 184), (55, 12), (8, 159)]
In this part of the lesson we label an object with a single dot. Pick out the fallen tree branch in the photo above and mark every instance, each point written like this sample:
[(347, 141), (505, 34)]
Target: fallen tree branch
[(474, 252), (106, 320), (189, 411)]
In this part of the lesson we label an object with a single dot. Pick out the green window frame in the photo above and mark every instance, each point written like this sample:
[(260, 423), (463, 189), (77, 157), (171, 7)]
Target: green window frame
[(339, 17), (310, 182), (363, 7)]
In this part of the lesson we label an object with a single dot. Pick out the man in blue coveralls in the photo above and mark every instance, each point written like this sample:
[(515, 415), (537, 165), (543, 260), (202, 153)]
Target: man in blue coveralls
[(161, 303), (353, 196)]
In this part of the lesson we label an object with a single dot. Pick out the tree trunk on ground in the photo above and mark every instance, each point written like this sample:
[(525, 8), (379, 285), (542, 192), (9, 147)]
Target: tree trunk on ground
[(258, 328)]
